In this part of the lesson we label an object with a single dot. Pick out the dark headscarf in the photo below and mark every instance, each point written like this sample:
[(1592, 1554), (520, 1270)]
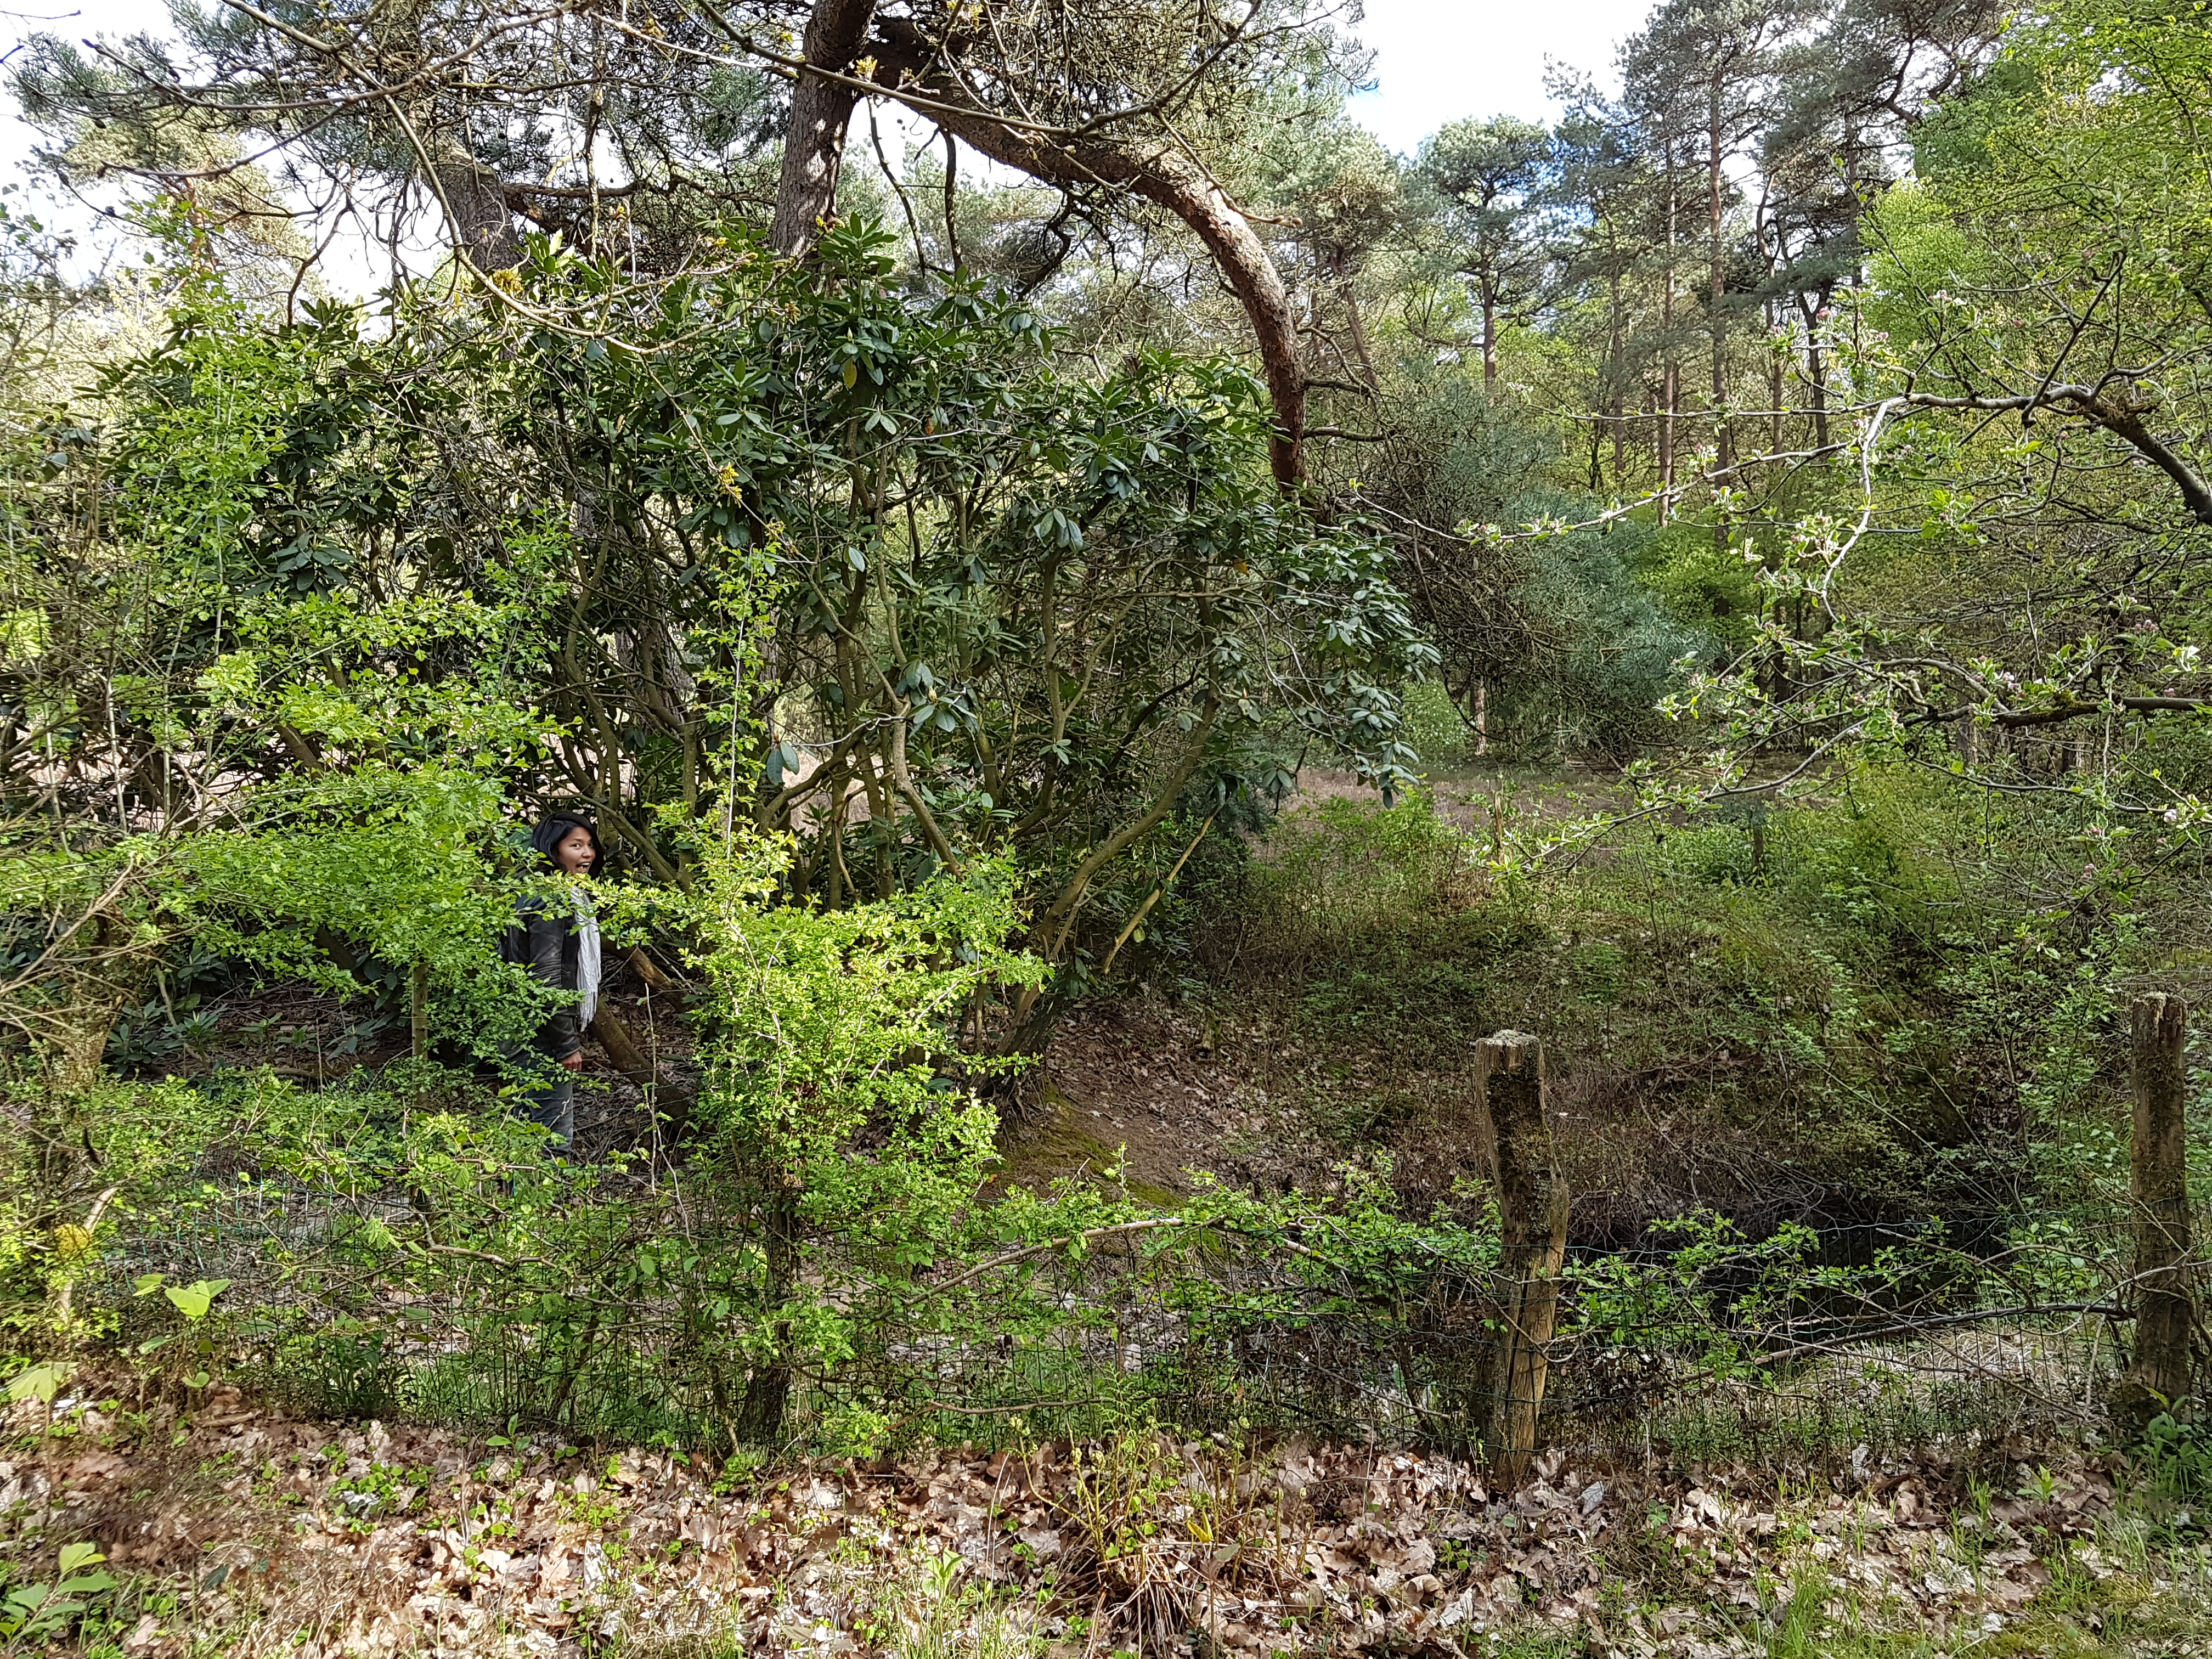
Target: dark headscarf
[(554, 829)]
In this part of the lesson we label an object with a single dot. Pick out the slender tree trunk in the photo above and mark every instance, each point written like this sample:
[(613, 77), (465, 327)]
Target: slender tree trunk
[(1489, 340), (670, 1103), (814, 133), (954, 258), (1774, 388), (476, 213), (1359, 333), (768, 1391), (1616, 395), (56, 1124), (1717, 320), (1816, 372), (1670, 378)]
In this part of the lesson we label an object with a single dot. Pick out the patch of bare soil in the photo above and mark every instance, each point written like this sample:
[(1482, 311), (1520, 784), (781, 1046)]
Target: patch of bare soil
[(1184, 1089), (1264, 1095), (1153, 1079), (1482, 798), (238, 1530)]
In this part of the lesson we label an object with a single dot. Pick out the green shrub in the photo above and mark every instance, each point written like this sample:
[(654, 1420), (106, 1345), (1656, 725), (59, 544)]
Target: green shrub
[(1342, 873)]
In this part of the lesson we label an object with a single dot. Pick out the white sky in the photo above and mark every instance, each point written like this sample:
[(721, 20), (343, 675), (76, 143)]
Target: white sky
[(1435, 61), (1445, 60)]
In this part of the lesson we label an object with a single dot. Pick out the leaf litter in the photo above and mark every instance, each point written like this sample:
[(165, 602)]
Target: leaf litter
[(240, 1529)]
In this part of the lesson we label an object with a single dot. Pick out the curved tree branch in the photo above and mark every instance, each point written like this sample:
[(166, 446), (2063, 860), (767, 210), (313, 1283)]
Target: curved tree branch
[(1158, 170), (2121, 416)]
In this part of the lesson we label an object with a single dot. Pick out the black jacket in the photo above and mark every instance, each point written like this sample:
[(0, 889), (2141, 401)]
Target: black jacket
[(547, 946)]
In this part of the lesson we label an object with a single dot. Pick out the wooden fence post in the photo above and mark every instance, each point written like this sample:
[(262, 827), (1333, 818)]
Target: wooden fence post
[(2165, 1299), (1532, 1203)]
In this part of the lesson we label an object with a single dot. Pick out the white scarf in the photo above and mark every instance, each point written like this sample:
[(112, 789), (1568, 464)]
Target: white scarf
[(587, 962)]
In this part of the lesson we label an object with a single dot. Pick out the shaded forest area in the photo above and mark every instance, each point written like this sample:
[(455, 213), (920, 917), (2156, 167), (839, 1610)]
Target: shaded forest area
[(1121, 640)]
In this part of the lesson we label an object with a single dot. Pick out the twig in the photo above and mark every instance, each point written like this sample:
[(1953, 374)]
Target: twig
[(1084, 1237), (1912, 1327)]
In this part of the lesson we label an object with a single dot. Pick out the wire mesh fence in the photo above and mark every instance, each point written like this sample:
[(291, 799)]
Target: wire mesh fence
[(1813, 1347)]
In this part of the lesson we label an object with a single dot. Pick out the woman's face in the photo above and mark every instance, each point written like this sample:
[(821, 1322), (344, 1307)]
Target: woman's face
[(573, 853)]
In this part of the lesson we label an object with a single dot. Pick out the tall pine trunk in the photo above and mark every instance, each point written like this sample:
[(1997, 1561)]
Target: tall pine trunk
[(814, 132), (1670, 377)]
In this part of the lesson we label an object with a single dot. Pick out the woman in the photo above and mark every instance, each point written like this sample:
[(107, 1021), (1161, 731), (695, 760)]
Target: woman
[(562, 951)]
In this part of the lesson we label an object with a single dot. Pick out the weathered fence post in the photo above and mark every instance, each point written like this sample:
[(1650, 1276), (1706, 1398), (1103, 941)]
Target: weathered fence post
[(2165, 1300), (1531, 1204)]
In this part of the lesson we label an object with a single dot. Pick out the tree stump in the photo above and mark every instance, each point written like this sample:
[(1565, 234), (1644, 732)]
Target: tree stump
[(1532, 1203)]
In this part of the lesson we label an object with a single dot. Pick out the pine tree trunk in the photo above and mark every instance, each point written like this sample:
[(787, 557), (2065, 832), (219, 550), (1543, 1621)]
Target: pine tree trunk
[(2165, 1300), (1716, 320), (1489, 341), (1162, 173), (1670, 377), (1616, 396), (1359, 335), (814, 132)]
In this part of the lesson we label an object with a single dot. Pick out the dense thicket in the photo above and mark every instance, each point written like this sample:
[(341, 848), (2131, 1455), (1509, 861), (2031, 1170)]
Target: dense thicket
[(929, 577)]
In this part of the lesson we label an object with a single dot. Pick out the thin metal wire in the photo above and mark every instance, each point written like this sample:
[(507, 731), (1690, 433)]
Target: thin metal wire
[(1197, 1343)]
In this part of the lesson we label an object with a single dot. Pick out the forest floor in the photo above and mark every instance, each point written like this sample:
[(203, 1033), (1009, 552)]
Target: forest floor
[(1242, 1081), (229, 1528)]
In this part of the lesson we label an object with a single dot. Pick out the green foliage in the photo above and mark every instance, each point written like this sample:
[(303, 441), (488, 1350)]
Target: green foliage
[(2035, 313), (39, 1383), (1836, 992), (1698, 1295), (936, 1609), (1562, 636), (379, 1495), (831, 1228), (1435, 728), (2177, 1457), (411, 865), (922, 671), (33, 1615), (1344, 874), (829, 1023), (1708, 587), (1018, 613)]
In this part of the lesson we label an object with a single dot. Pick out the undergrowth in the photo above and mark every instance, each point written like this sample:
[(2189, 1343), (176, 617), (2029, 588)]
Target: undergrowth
[(1849, 1006)]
